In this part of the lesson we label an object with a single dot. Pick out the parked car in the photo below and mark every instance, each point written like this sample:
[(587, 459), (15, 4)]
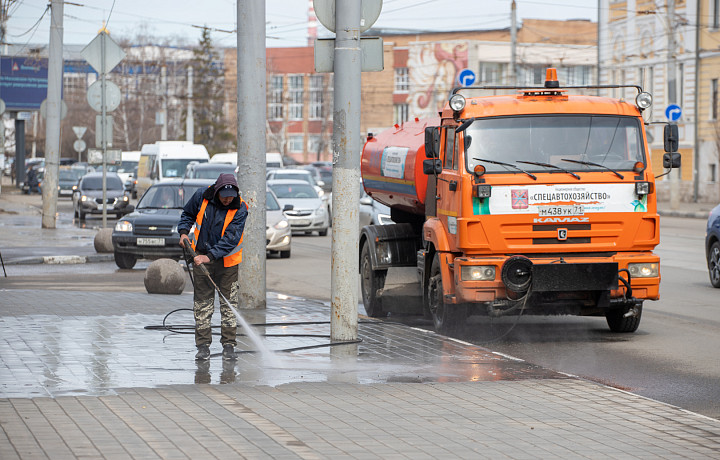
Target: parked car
[(208, 170), (87, 198), (68, 179), (712, 246), (278, 233), (150, 232), (309, 212), (304, 175), (373, 212)]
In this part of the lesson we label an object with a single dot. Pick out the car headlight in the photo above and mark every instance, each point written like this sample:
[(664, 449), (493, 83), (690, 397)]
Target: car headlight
[(320, 212), (123, 226), (477, 273), (83, 198), (282, 224), (644, 270), (174, 229), (126, 198)]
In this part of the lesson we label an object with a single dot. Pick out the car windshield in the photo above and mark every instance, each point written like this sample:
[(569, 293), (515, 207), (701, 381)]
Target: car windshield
[(611, 141), (294, 190), (176, 168), (95, 183), (211, 172), (167, 196), (294, 176), (271, 203), (66, 175), (127, 166)]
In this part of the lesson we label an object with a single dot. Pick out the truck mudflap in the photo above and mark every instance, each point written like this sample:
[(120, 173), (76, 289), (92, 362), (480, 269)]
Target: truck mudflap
[(393, 245)]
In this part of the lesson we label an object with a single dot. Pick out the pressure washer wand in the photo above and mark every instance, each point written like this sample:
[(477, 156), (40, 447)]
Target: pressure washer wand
[(205, 271)]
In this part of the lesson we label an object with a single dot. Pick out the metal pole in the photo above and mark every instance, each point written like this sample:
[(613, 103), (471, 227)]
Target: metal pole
[(251, 115), (346, 171), (19, 151), (513, 44), (190, 123), (672, 97), (163, 84), (103, 125), (54, 112)]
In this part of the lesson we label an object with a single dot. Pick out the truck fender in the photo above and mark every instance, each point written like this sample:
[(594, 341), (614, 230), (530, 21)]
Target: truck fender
[(393, 245), (434, 232)]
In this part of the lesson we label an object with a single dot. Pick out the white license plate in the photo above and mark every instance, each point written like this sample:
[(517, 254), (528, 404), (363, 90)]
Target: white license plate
[(301, 222), (562, 210), (151, 241)]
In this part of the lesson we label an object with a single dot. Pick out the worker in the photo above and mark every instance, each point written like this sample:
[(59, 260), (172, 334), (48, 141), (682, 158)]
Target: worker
[(216, 215)]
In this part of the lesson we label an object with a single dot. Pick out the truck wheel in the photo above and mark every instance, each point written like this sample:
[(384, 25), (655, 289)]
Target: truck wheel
[(448, 319), (619, 323), (714, 264), (371, 280), (125, 261)]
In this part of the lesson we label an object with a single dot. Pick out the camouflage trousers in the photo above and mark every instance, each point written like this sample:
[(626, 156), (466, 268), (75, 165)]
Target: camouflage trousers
[(226, 279)]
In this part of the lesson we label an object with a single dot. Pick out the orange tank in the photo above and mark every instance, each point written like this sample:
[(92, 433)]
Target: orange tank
[(391, 166)]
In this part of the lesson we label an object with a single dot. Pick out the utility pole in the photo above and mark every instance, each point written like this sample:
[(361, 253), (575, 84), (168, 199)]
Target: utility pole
[(54, 113), (163, 88), (251, 116), (513, 44), (672, 97), (346, 171), (189, 122)]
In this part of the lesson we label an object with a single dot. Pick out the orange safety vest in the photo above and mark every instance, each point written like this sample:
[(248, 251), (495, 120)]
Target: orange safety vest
[(235, 256)]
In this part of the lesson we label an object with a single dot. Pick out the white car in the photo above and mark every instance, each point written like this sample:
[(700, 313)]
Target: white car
[(309, 212), (278, 233)]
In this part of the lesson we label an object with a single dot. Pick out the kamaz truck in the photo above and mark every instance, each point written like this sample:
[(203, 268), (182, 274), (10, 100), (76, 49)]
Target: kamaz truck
[(536, 200)]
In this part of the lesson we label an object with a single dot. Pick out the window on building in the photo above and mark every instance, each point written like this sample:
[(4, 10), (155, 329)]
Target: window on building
[(295, 93), (402, 80), (316, 97), (713, 173), (715, 19), (713, 98), (491, 73), (574, 75), (314, 144), (295, 143), (276, 99), (401, 113)]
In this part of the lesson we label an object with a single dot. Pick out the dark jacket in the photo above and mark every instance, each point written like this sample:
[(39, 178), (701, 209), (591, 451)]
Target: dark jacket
[(209, 241)]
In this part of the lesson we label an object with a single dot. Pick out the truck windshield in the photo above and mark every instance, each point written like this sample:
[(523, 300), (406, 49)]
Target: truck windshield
[(611, 141), (176, 168)]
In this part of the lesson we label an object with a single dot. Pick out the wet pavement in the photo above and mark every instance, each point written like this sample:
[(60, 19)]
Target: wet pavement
[(94, 373)]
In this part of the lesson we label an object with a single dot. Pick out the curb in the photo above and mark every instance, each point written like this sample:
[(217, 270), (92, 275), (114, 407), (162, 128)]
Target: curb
[(62, 260)]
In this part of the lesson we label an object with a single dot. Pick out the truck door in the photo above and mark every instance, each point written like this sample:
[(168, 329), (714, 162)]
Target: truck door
[(449, 185)]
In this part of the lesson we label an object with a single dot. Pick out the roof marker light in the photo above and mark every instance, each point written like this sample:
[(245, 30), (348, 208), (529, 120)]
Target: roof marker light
[(551, 79)]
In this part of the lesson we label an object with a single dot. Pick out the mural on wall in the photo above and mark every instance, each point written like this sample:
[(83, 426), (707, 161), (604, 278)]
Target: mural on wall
[(434, 68)]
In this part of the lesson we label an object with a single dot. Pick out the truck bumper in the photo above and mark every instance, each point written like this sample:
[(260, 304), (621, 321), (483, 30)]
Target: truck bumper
[(559, 278)]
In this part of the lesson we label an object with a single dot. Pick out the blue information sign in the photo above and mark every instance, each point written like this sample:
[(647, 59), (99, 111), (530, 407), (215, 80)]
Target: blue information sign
[(466, 77), (673, 112), (23, 82)]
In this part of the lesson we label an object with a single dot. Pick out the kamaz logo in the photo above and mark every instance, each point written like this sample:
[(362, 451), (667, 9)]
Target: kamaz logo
[(547, 220)]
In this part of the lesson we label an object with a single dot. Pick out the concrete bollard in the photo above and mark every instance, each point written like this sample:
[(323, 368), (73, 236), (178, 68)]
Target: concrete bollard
[(103, 241), (164, 276)]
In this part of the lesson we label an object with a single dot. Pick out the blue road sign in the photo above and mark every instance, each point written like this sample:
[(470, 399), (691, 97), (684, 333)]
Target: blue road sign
[(23, 82), (466, 77), (673, 112)]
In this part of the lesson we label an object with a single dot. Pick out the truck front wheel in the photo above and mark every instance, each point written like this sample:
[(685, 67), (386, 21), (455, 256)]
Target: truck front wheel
[(371, 281), (448, 319)]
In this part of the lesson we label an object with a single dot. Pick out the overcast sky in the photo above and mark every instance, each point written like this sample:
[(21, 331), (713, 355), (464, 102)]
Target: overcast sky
[(286, 20)]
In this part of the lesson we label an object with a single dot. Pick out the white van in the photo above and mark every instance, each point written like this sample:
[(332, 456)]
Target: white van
[(130, 161), (273, 160), (167, 160), (230, 158)]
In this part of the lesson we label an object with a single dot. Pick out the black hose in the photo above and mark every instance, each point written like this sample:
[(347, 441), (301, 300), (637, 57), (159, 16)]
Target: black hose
[(626, 282)]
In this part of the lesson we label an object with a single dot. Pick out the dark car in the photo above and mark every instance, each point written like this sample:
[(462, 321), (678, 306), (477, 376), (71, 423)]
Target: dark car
[(712, 246), (208, 170), (150, 232), (88, 196), (67, 180)]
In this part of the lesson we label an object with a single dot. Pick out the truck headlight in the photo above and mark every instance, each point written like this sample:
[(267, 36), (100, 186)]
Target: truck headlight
[(457, 102), (477, 273), (123, 226), (644, 270)]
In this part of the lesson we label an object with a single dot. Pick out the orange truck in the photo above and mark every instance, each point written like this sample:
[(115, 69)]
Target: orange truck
[(540, 200)]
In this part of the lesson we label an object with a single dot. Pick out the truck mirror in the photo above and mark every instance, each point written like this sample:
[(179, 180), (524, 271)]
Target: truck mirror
[(432, 142), (671, 138), (671, 160), (432, 166)]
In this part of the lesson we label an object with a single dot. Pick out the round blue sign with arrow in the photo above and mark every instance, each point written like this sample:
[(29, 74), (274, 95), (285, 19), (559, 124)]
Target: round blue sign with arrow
[(673, 112), (466, 77)]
